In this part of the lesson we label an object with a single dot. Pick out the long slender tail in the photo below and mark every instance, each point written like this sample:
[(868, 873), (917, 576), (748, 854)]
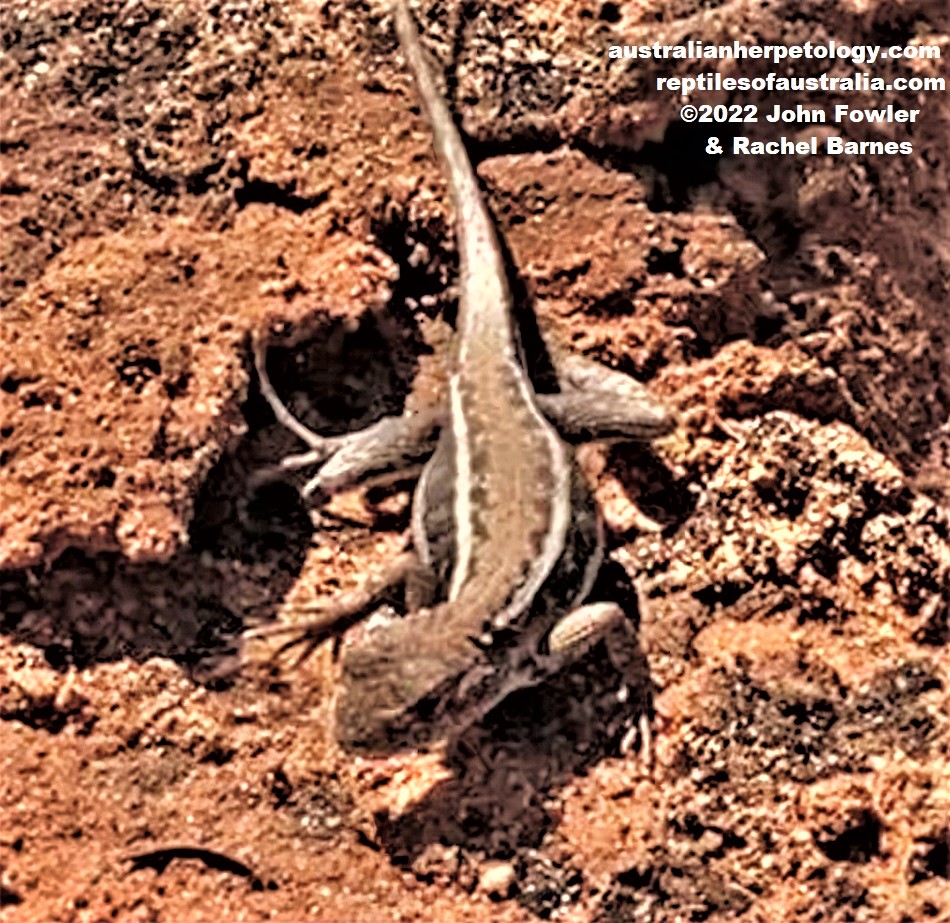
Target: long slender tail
[(485, 299), (449, 148)]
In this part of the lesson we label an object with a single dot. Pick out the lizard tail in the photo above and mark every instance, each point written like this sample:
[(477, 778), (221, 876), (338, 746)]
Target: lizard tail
[(446, 140)]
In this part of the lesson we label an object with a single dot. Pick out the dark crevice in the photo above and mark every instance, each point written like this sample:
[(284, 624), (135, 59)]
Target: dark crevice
[(678, 164), (337, 381), (526, 142), (723, 594), (421, 281), (935, 632), (661, 262), (283, 196), (40, 717), (9, 897), (931, 859), (859, 842)]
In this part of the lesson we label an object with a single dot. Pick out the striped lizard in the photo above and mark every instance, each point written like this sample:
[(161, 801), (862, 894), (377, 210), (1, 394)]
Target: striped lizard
[(506, 538)]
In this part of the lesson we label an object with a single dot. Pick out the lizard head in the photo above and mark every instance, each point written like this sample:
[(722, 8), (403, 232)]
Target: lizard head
[(396, 680)]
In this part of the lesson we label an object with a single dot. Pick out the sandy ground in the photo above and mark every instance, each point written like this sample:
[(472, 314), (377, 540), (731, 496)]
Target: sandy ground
[(175, 176)]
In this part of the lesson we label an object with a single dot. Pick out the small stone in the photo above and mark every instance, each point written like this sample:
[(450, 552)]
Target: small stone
[(497, 879)]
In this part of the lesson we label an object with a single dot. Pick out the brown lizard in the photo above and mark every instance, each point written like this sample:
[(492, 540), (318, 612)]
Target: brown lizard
[(506, 539)]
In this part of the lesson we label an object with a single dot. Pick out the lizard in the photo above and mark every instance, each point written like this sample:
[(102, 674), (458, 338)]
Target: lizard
[(506, 538)]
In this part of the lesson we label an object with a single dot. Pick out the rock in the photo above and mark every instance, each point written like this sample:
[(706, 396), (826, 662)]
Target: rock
[(498, 880)]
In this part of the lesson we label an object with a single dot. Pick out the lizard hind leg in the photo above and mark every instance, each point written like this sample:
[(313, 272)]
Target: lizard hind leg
[(320, 446), (598, 403), (389, 449)]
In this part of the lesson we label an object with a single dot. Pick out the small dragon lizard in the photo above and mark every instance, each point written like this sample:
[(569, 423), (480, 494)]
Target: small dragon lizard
[(506, 538)]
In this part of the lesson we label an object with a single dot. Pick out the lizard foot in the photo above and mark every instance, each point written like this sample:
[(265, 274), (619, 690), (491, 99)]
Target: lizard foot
[(334, 617)]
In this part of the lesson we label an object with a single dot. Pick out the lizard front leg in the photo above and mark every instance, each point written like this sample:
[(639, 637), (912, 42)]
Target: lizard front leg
[(335, 616), (578, 631)]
